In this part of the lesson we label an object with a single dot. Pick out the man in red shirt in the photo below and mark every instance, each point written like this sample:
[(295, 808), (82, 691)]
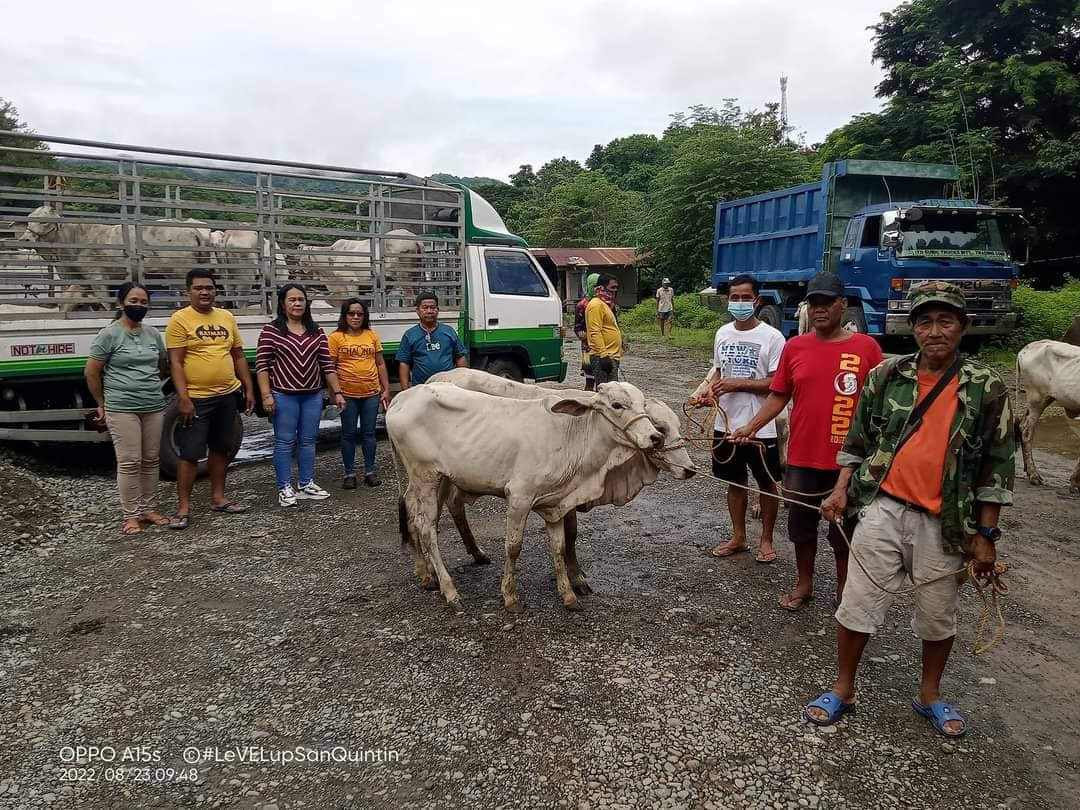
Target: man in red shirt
[(822, 373)]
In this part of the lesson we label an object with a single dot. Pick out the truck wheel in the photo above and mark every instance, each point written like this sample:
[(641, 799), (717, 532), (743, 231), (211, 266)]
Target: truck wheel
[(772, 315), (170, 458), (854, 320), (507, 368)]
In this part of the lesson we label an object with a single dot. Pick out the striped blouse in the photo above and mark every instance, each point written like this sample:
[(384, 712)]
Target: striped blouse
[(298, 364)]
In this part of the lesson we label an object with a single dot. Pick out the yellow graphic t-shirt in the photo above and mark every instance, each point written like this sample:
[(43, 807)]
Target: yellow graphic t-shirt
[(355, 356), (209, 339)]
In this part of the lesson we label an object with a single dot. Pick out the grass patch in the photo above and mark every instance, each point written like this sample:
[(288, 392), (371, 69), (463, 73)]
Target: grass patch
[(694, 328), (698, 343)]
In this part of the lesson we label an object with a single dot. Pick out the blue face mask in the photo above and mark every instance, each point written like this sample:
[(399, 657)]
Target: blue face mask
[(741, 310)]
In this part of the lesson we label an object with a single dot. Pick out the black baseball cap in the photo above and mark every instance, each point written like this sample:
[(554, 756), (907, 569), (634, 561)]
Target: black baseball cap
[(827, 284)]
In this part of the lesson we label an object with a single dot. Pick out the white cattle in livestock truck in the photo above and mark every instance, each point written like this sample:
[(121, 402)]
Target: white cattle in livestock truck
[(548, 456), (621, 485), (1048, 371), (96, 254)]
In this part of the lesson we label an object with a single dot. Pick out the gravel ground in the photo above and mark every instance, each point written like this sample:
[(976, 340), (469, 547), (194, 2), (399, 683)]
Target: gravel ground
[(679, 686)]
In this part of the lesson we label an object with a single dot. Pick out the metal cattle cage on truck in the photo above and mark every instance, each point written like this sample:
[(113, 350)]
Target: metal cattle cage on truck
[(883, 227), (79, 220)]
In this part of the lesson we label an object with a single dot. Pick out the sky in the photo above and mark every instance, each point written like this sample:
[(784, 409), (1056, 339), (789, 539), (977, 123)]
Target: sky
[(470, 87)]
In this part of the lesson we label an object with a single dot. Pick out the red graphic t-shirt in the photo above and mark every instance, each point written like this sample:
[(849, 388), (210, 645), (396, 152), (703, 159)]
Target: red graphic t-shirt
[(824, 379)]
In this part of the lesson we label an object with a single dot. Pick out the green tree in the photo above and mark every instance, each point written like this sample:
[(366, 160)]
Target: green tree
[(713, 162), (555, 171), (524, 177), (992, 86), (631, 162), (9, 121), (588, 210)]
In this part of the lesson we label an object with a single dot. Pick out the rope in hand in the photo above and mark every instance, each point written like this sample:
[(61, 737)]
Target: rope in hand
[(699, 434)]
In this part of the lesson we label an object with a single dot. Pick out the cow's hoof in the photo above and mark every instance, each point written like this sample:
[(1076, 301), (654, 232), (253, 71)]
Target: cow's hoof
[(456, 604), (515, 607), (1036, 480), (429, 584), (574, 606), (581, 587), (482, 559)]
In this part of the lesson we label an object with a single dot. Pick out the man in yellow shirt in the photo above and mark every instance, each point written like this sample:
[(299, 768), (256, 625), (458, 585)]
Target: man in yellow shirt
[(208, 368), (602, 331)]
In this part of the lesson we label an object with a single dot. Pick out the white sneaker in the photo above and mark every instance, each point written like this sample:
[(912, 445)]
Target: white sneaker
[(312, 492), (286, 496)]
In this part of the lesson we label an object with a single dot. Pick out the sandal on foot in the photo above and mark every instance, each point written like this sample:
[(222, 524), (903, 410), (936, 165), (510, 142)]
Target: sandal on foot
[(830, 703), (795, 603), (939, 713), (131, 528), (229, 508), (761, 558), (179, 521), (727, 551), (160, 520)]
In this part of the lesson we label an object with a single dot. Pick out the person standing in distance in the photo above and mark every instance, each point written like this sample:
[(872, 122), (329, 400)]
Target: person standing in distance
[(746, 354), (602, 331), (665, 306), (428, 347), (579, 330), (209, 369), (821, 373)]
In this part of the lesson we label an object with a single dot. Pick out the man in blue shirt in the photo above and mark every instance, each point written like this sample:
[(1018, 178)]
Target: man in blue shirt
[(430, 346)]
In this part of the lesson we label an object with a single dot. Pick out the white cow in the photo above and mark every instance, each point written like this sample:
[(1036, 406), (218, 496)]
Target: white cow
[(1050, 372), (547, 455), (100, 255), (345, 266), (239, 271), (621, 485)]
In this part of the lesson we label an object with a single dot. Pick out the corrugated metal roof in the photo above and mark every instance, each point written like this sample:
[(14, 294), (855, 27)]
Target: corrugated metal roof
[(592, 257)]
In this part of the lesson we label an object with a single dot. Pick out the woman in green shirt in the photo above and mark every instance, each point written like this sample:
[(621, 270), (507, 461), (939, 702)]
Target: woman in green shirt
[(124, 371)]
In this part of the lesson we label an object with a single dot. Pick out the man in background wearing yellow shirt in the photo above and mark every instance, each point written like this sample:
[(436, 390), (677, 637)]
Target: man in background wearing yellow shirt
[(602, 331), (208, 367)]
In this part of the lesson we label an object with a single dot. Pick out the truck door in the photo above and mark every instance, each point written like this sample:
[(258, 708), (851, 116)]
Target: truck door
[(517, 292)]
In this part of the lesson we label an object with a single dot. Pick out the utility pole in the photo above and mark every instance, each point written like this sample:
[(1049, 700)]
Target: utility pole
[(783, 108)]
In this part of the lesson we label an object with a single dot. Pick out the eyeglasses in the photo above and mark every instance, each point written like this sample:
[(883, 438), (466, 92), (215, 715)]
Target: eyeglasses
[(354, 314)]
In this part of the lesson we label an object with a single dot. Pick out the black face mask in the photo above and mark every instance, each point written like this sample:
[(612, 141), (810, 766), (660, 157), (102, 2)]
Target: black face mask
[(135, 313)]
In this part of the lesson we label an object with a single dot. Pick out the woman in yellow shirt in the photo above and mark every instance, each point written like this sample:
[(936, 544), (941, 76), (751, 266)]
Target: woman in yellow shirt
[(365, 383)]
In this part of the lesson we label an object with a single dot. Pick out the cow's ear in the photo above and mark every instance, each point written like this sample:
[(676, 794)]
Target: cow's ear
[(572, 406)]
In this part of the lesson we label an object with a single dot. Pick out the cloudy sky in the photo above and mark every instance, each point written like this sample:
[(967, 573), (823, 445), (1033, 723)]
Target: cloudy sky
[(469, 86)]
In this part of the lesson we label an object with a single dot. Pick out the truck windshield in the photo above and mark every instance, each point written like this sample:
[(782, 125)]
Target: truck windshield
[(951, 236)]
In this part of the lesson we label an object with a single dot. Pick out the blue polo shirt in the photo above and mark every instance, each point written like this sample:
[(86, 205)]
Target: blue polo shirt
[(429, 354)]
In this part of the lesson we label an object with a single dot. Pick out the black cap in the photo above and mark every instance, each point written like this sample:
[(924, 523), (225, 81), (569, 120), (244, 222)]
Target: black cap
[(828, 284)]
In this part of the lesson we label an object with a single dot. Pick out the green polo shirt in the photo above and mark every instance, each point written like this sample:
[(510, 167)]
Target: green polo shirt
[(131, 379)]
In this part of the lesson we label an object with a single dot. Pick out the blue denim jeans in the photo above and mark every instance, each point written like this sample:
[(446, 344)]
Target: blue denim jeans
[(366, 410), (296, 416)]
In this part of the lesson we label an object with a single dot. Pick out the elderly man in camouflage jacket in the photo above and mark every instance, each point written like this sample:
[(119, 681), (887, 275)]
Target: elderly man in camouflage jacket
[(927, 464)]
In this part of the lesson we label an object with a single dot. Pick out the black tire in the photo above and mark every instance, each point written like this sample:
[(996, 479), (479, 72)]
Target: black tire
[(854, 319), (773, 315), (170, 459), (507, 368)]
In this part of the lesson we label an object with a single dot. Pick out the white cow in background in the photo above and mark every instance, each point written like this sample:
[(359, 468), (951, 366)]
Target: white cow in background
[(1049, 371), (239, 271), (548, 455), (100, 258), (344, 267)]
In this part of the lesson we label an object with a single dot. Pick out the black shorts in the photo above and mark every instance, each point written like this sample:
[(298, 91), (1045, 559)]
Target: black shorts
[(802, 522), (213, 428), (729, 461)]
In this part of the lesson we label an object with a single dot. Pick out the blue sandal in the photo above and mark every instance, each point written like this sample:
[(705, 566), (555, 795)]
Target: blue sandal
[(939, 713), (830, 703)]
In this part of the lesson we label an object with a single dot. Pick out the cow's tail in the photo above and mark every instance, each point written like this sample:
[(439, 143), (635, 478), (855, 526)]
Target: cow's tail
[(403, 521)]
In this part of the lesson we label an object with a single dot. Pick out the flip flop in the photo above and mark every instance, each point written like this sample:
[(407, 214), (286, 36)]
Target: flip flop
[(728, 552), (126, 529), (229, 508), (179, 522), (161, 521), (794, 608), (763, 559), (939, 713), (830, 703)]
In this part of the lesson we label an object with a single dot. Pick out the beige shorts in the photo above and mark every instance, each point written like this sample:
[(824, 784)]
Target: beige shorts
[(899, 545)]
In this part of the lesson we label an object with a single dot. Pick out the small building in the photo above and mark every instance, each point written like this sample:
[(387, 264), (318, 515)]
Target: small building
[(568, 268)]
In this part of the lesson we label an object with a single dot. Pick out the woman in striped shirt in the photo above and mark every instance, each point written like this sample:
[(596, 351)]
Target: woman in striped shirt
[(293, 364)]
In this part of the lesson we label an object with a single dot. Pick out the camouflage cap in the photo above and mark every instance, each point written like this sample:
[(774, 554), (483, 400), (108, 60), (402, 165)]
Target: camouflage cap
[(937, 292)]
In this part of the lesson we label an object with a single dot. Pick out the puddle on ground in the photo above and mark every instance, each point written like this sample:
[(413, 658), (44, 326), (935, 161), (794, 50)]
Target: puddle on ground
[(1058, 434)]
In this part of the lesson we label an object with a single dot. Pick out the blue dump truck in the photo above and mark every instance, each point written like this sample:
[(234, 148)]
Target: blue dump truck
[(883, 227)]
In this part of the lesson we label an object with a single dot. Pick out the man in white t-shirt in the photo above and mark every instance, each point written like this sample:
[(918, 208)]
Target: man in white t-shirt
[(746, 353), (665, 306)]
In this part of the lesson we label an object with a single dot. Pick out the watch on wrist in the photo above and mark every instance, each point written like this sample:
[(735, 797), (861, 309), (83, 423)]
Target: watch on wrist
[(991, 534)]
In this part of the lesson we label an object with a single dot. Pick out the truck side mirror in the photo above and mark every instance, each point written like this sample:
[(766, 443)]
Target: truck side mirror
[(890, 239)]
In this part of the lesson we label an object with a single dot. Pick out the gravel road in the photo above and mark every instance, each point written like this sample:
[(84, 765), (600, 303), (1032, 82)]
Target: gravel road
[(304, 631)]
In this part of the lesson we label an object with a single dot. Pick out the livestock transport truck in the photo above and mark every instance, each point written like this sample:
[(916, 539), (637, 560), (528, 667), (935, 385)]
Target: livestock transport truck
[(883, 227), (284, 221)]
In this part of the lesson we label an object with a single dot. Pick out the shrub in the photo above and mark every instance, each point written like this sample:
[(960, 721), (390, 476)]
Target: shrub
[(690, 313), (1044, 314)]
